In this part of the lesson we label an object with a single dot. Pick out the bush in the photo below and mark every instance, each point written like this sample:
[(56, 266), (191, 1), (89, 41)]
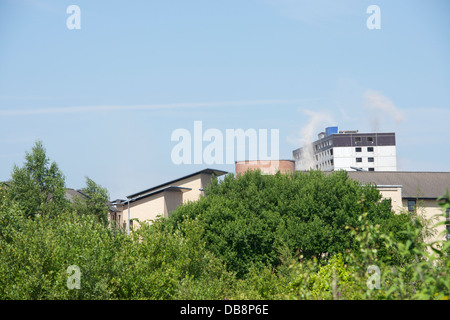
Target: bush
[(35, 255)]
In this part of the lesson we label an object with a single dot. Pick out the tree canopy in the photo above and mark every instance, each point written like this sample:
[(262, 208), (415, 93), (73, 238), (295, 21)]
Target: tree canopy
[(250, 219), (38, 186)]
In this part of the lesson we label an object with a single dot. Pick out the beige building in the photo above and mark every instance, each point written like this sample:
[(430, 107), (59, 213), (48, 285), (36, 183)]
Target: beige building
[(147, 205), (410, 191)]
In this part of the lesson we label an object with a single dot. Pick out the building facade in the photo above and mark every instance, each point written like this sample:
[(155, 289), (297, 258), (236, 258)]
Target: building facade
[(161, 200), (414, 192), (348, 150)]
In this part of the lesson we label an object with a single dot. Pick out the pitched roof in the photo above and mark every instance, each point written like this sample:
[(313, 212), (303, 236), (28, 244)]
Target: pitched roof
[(71, 193), (169, 188), (431, 185), (217, 173)]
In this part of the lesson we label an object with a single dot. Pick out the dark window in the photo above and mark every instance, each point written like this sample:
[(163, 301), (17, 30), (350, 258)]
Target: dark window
[(411, 205), (369, 139), (358, 139), (371, 169), (358, 149), (358, 159), (369, 149), (371, 159)]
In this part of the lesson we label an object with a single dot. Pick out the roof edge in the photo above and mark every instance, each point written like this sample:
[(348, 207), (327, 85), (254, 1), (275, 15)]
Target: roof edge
[(207, 171)]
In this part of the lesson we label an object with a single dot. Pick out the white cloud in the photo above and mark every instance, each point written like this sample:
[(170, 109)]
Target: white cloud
[(99, 108), (308, 134), (380, 106)]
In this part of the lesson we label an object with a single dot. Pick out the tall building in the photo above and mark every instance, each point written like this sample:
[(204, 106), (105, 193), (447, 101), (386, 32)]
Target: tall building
[(348, 150)]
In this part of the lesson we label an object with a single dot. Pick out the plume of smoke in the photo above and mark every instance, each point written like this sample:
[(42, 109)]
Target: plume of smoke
[(317, 121), (379, 106)]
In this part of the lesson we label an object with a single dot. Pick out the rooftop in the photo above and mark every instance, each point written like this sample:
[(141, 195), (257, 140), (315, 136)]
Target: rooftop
[(217, 173), (425, 185)]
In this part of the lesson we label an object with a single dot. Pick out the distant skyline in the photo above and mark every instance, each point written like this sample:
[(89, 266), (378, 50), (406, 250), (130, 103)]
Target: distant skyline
[(104, 99)]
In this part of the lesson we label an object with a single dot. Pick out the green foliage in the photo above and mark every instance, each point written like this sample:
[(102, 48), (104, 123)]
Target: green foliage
[(38, 187), (165, 265), (334, 281), (150, 264), (94, 201), (35, 255), (3, 187), (301, 236), (420, 272), (247, 219)]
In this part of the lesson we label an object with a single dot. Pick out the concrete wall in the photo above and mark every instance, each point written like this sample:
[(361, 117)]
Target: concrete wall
[(385, 158), (148, 208), (395, 194), (173, 200)]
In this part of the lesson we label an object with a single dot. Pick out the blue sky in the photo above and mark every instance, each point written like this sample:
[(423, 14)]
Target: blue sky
[(105, 99)]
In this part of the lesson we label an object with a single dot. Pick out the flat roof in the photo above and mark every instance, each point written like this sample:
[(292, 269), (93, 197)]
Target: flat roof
[(216, 172)]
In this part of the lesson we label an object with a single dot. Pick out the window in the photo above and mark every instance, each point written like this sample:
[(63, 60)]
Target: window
[(358, 159), (331, 151), (369, 139), (371, 159), (369, 149), (358, 139), (371, 169), (358, 149), (411, 205)]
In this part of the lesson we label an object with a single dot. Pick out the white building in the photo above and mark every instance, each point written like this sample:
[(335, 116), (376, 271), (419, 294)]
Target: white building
[(348, 150)]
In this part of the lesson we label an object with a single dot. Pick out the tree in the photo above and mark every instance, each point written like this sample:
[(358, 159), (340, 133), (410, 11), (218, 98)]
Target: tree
[(38, 186), (249, 219), (94, 201)]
